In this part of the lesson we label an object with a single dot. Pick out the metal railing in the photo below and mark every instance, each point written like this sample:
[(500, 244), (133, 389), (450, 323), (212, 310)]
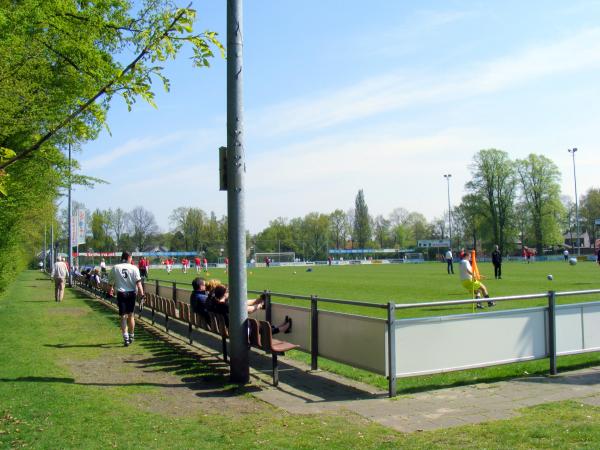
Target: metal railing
[(391, 308)]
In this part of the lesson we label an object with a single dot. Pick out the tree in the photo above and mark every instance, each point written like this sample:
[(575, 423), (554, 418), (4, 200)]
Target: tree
[(590, 212), (118, 221), (362, 221), (539, 182), (438, 228), (339, 227), (101, 239), (381, 229), (399, 232), (469, 217), (61, 60), (417, 225), (192, 223), (142, 226), (315, 232), (494, 183)]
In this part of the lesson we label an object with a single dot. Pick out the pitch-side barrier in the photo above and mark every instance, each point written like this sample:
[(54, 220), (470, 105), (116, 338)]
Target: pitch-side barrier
[(399, 348)]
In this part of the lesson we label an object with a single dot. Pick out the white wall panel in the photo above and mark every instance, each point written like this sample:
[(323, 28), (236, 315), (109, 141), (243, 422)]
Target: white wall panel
[(355, 340), (440, 344)]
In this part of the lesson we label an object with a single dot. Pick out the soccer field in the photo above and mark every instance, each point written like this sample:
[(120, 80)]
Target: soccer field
[(410, 283)]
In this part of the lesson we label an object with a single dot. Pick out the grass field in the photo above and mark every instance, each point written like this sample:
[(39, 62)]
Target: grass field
[(411, 283), (67, 382), (414, 283)]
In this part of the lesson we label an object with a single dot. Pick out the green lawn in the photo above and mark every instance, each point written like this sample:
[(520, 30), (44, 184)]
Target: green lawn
[(414, 283), (411, 283), (66, 382)]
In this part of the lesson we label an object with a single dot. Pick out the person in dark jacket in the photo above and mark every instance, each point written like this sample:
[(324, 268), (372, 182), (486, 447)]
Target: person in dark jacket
[(199, 298), (497, 262)]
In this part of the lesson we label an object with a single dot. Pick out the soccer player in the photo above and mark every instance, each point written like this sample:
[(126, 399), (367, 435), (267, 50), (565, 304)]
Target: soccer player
[(125, 277), (449, 262), (143, 266), (470, 283), (226, 264), (205, 261), (184, 264), (197, 263)]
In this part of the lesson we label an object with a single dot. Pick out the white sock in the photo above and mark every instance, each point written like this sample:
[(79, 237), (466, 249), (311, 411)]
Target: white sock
[(126, 335)]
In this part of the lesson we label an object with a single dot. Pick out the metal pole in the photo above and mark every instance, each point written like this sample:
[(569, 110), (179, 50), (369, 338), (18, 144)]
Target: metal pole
[(70, 220), (52, 257), (236, 168), (45, 247), (572, 151), (552, 332), (314, 333), (391, 349), (447, 177)]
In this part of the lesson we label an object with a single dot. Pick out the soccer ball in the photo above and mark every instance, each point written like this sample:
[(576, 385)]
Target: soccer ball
[(294, 272), (572, 261), (550, 277)]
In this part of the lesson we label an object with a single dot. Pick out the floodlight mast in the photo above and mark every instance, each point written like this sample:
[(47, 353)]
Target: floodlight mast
[(447, 177), (236, 168), (70, 221), (572, 151)]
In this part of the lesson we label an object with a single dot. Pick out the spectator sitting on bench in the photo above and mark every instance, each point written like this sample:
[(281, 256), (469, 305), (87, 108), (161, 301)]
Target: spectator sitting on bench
[(199, 298), (219, 303)]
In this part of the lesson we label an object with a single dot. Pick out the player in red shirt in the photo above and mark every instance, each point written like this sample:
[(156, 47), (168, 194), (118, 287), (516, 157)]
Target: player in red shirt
[(198, 263), (205, 265)]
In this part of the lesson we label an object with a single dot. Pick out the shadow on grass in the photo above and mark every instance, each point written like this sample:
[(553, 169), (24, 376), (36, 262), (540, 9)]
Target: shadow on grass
[(202, 373), (106, 345), (39, 380)]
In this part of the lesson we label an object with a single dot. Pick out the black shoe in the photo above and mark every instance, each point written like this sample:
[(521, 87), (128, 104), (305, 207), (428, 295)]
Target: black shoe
[(490, 304), (126, 342), (288, 320), (131, 339), (479, 305)]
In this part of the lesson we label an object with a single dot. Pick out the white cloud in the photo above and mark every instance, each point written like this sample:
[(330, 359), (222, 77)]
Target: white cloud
[(398, 90)]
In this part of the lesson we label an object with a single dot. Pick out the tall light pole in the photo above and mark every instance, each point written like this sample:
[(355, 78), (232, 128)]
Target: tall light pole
[(447, 176), (236, 169), (70, 220), (572, 152)]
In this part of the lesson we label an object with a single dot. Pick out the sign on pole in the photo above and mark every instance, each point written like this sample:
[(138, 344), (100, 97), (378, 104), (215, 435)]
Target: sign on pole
[(81, 226), (74, 230)]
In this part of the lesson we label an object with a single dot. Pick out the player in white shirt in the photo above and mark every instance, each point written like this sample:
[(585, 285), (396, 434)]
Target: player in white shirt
[(449, 261), (126, 279)]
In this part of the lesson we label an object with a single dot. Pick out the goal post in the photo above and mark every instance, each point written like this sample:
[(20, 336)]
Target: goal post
[(276, 257), (414, 257)]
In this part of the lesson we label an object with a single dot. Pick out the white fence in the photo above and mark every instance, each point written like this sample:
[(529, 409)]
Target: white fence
[(408, 347)]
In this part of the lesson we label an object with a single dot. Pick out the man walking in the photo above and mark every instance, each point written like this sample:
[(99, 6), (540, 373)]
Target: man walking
[(125, 277), (497, 262), (59, 273), (449, 261)]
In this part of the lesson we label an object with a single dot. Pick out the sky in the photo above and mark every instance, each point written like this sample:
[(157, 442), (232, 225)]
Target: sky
[(385, 96)]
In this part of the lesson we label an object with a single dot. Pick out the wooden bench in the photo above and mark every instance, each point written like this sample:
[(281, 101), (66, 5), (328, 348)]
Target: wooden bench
[(260, 335)]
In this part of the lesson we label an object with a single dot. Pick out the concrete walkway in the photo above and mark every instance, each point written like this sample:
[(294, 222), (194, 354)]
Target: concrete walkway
[(301, 391), (306, 393)]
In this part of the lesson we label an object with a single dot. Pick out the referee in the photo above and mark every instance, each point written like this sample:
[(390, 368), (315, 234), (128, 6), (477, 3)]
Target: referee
[(125, 277)]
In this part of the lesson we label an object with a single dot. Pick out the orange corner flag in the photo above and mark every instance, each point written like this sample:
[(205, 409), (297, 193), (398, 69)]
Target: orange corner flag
[(474, 268)]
